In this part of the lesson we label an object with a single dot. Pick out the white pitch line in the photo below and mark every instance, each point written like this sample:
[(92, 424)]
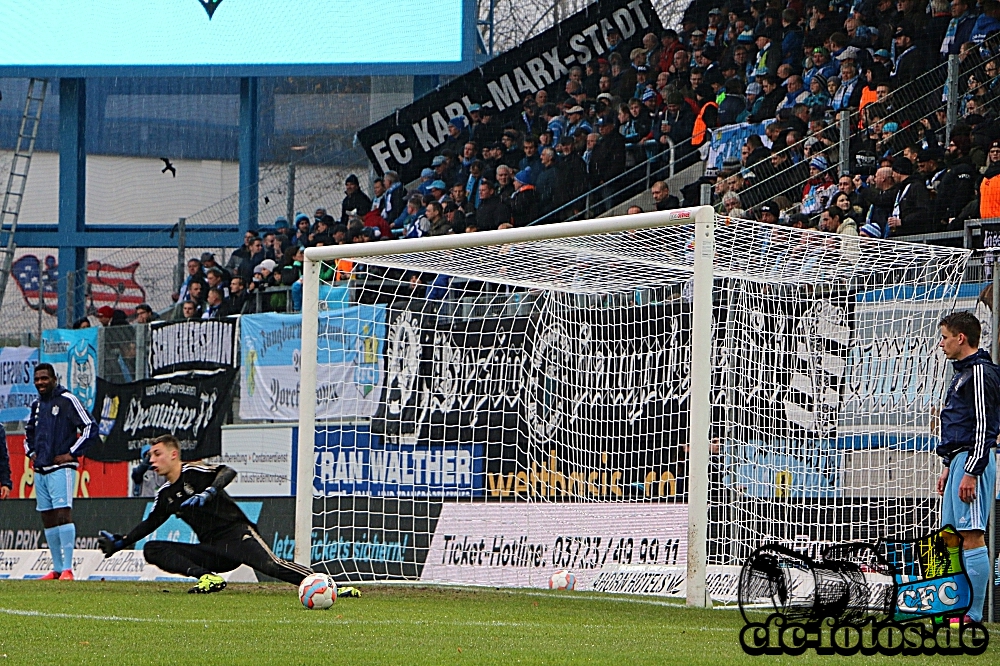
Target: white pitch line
[(340, 622)]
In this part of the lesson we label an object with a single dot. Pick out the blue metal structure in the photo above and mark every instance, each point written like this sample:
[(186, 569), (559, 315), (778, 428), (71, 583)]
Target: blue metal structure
[(72, 235)]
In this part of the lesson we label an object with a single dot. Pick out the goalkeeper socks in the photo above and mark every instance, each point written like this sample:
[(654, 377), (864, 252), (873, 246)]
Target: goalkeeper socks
[(53, 536), (977, 564), (67, 535)]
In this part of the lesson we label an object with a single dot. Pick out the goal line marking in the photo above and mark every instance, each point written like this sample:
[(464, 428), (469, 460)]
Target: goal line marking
[(334, 620)]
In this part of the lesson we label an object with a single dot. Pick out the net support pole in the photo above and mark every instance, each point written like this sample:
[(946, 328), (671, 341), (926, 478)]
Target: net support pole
[(181, 252), (307, 413), (845, 143), (953, 97), (701, 410)]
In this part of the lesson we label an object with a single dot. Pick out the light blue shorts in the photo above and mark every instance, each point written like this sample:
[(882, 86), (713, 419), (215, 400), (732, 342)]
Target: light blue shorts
[(976, 514), (55, 489)]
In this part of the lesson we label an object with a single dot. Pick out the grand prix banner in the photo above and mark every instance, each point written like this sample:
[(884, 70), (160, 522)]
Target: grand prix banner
[(349, 375), (408, 140), (17, 387), (351, 536), (93, 478), (192, 345), (73, 353), (191, 406)]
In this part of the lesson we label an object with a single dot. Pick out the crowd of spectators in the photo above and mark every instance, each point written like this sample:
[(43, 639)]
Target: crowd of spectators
[(800, 66), (262, 275), (795, 66)]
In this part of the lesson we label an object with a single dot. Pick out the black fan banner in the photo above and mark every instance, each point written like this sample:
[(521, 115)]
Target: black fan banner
[(192, 345), (191, 406)]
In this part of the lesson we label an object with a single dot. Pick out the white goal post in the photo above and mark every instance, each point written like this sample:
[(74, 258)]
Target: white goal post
[(639, 401), (701, 218)]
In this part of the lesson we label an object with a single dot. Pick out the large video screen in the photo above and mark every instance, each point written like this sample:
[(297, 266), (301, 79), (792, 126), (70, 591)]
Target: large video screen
[(241, 34)]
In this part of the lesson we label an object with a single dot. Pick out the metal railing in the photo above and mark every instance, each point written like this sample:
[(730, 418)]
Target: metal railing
[(969, 237), (594, 201)]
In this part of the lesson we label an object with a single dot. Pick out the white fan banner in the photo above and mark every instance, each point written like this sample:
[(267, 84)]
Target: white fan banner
[(348, 377)]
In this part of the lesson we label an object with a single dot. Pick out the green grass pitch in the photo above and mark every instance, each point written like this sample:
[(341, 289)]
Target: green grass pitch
[(56, 622)]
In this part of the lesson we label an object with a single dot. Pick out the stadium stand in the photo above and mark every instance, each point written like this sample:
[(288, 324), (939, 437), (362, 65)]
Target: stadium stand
[(811, 74)]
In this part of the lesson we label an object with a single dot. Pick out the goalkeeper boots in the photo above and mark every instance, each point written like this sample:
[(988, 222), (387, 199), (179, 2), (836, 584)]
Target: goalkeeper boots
[(207, 584), (348, 591), (66, 575), (52, 575)]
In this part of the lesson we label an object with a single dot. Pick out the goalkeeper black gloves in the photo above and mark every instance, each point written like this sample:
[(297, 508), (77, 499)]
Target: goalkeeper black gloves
[(110, 543), (201, 499)]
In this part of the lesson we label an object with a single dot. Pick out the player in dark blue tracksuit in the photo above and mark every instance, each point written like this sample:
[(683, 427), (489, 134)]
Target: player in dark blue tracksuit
[(5, 482), (970, 424), (59, 430)]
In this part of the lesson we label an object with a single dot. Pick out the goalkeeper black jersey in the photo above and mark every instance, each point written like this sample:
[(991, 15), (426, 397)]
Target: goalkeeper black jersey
[(211, 521)]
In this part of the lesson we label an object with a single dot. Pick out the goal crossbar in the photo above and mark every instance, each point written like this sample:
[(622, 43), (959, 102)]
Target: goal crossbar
[(607, 225), (701, 218)]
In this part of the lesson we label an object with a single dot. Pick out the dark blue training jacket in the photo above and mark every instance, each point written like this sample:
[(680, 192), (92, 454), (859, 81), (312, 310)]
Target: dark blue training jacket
[(970, 420), (58, 425), (4, 459)]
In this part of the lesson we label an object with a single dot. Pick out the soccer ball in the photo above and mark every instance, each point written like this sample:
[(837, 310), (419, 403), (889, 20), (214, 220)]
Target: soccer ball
[(562, 580), (318, 592)]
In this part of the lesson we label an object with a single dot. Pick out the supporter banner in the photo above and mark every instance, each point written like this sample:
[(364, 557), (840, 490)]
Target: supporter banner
[(894, 370), (17, 382), (349, 375), (93, 478), (523, 545), (556, 404), (192, 345), (407, 141), (191, 406), (263, 460), (787, 366), (727, 143), (73, 353), (786, 467), (352, 461)]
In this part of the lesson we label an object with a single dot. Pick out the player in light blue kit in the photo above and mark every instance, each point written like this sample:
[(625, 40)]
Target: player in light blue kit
[(970, 423), (58, 431)]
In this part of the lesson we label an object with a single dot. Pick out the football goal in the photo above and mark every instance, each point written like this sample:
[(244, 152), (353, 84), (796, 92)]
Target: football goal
[(640, 401)]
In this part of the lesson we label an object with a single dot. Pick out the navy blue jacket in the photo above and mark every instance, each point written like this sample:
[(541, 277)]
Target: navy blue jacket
[(4, 460), (970, 420), (58, 425)]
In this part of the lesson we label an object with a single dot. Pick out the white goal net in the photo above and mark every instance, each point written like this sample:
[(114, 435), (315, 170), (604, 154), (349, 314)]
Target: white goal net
[(526, 406)]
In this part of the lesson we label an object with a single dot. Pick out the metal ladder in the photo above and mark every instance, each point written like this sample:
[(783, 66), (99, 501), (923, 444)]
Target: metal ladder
[(18, 178)]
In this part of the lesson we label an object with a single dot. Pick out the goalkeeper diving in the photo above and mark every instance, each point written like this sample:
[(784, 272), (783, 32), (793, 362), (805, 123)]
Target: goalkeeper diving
[(196, 494)]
